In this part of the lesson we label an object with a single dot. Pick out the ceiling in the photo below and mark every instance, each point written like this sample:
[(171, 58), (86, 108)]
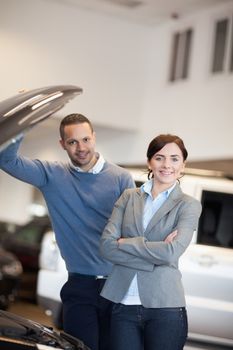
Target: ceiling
[(145, 12)]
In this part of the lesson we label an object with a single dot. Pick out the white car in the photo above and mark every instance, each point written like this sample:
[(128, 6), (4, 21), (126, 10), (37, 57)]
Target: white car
[(206, 266), (51, 277)]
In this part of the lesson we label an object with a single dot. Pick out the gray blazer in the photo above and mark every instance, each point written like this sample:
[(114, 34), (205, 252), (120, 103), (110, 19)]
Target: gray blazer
[(145, 253)]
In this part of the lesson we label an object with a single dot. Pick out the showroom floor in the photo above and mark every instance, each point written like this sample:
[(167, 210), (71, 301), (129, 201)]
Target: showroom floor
[(31, 311)]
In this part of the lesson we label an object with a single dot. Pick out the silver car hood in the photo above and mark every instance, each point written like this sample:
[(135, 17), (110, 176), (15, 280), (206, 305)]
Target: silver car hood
[(24, 110)]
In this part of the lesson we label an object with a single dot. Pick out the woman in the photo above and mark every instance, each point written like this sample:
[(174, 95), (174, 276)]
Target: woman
[(149, 230)]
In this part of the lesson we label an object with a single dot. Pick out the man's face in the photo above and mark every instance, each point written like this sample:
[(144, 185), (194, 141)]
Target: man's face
[(79, 143)]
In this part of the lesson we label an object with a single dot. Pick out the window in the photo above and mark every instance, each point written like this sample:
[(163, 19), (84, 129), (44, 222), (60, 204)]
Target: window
[(180, 57), (216, 221), (221, 31), (222, 60), (231, 49)]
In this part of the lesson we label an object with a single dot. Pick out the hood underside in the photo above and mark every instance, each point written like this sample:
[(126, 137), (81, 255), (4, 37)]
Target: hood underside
[(21, 112)]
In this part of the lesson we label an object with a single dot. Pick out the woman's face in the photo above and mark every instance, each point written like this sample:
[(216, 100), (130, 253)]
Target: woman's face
[(167, 165)]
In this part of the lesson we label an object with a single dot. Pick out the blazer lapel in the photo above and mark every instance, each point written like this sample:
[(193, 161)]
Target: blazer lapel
[(138, 208), (174, 197)]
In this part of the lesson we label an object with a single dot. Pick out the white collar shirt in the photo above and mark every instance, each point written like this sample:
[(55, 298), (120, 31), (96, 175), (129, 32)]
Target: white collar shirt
[(96, 168)]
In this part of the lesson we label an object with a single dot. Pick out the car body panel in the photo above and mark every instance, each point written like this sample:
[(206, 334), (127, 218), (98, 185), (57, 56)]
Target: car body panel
[(19, 333), (21, 112), (53, 269), (207, 275)]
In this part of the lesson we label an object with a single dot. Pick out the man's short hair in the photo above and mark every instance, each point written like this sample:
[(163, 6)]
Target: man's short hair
[(74, 118)]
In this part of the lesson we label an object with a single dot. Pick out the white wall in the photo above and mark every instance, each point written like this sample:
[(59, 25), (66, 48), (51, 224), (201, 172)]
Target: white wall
[(46, 43), (199, 109), (123, 69)]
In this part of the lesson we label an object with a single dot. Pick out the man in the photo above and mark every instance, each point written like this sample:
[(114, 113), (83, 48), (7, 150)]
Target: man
[(80, 196)]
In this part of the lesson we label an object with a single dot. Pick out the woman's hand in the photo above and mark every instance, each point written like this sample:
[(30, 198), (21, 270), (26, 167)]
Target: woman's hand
[(170, 237)]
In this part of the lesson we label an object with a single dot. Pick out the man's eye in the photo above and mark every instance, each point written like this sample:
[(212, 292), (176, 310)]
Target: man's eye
[(86, 139), (73, 142), (175, 159)]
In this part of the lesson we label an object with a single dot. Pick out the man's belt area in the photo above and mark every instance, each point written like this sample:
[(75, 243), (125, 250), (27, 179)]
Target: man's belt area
[(93, 277)]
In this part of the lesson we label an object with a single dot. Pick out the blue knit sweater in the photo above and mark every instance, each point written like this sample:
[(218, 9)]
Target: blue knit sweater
[(79, 204)]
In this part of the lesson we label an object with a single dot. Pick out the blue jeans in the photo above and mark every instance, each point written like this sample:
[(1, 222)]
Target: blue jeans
[(138, 328), (86, 315)]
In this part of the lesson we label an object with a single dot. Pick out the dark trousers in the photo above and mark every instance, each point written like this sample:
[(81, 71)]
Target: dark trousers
[(138, 328), (86, 315)]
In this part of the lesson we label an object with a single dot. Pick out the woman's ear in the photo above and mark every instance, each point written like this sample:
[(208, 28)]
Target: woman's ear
[(184, 164), (182, 169)]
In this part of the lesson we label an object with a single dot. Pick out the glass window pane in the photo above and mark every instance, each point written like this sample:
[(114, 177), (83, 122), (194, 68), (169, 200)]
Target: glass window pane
[(173, 64), (181, 47), (221, 32), (187, 48), (216, 221), (231, 53)]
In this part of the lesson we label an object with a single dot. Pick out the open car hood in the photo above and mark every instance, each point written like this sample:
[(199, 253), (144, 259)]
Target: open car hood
[(19, 333), (24, 110)]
